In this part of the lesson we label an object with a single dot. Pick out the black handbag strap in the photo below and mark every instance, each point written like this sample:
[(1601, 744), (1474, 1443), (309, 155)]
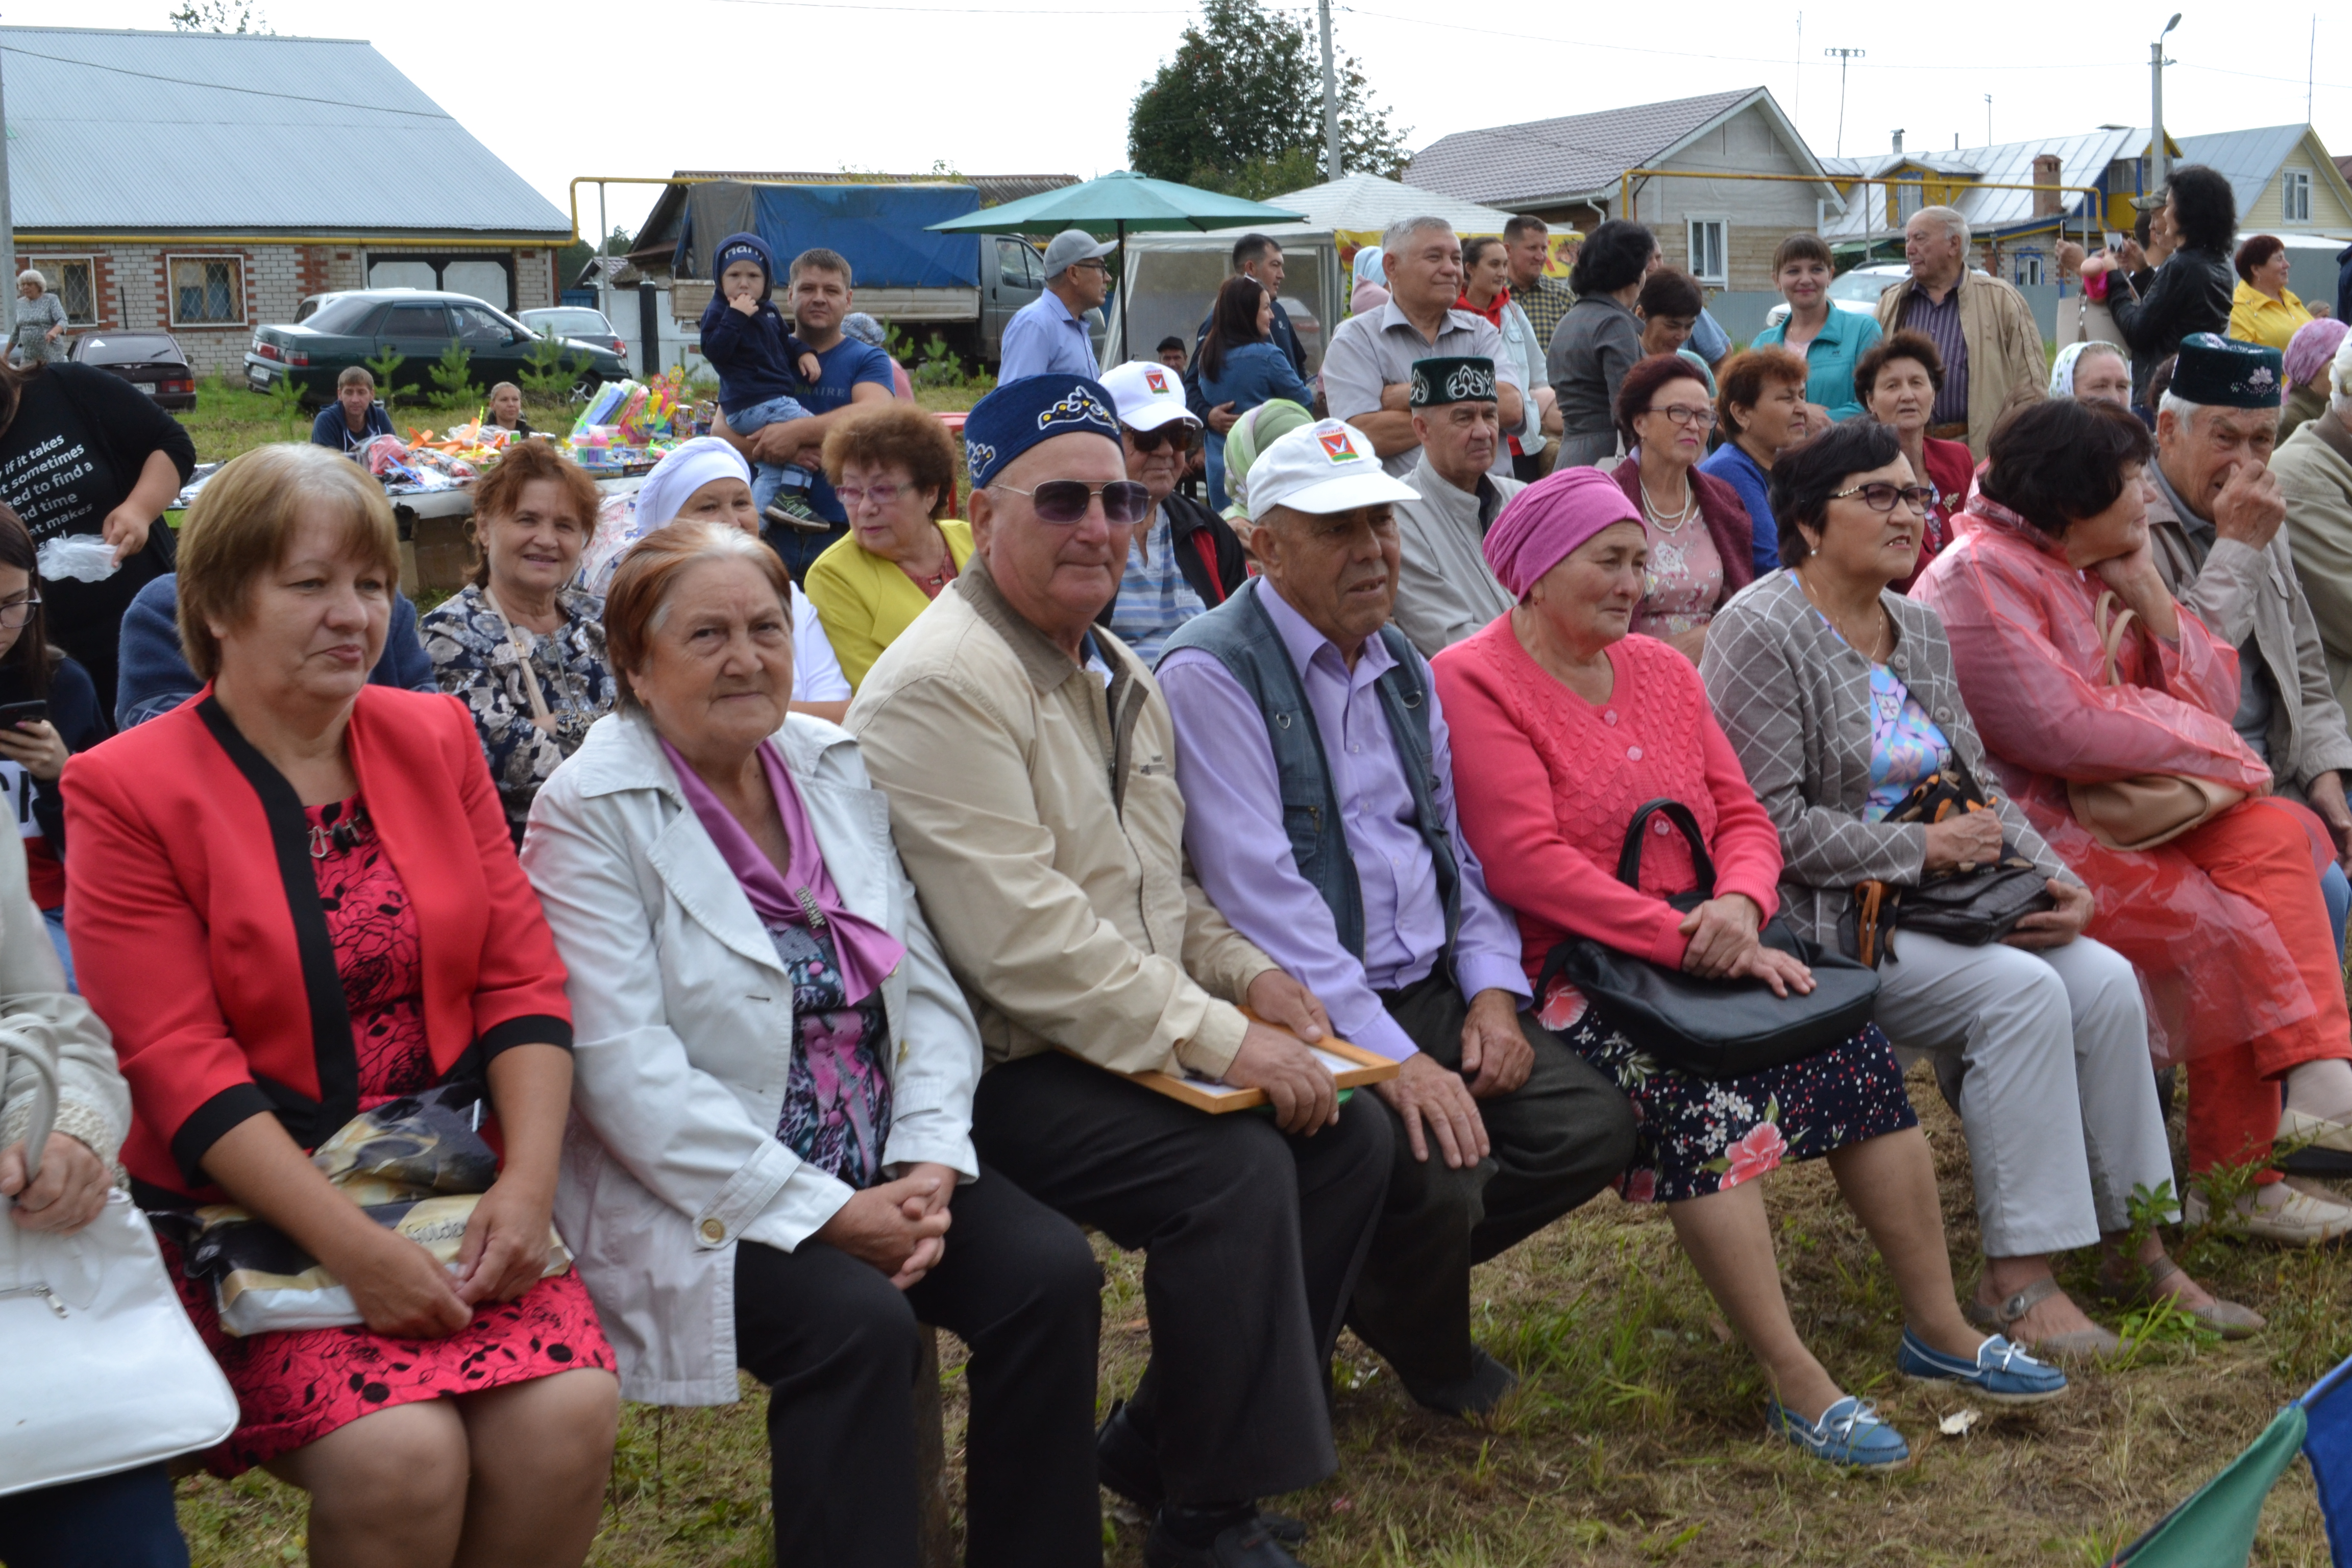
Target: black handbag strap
[(1629, 859)]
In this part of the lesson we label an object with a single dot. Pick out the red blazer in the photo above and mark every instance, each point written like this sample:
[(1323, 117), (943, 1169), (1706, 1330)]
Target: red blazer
[(198, 937), (1724, 514)]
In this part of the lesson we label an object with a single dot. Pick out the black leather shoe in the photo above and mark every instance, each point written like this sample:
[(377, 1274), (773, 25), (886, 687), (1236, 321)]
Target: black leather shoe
[(1475, 1394), (1125, 1464), (1249, 1544)]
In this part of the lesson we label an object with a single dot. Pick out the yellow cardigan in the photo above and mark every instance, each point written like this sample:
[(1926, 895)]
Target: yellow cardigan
[(865, 602), (2256, 318)]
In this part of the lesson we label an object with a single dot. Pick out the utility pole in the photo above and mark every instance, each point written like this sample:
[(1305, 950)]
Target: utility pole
[(2159, 162), (1331, 97), (1842, 56), (1988, 119), (8, 238)]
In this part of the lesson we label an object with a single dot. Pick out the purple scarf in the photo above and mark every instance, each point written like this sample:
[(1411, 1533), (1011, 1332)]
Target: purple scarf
[(805, 896)]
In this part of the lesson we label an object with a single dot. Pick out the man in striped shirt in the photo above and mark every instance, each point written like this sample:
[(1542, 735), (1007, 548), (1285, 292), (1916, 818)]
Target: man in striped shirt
[(1991, 348)]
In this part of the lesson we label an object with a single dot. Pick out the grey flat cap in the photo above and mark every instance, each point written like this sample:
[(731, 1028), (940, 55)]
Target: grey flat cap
[(1074, 245)]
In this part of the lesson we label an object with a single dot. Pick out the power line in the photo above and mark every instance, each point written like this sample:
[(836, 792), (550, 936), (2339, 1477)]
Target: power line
[(226, 86)]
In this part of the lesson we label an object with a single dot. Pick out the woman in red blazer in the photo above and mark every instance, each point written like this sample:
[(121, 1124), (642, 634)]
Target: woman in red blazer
[(302, 903)]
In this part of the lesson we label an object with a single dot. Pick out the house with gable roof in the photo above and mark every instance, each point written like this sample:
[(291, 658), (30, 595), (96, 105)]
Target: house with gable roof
[(1570, 171)]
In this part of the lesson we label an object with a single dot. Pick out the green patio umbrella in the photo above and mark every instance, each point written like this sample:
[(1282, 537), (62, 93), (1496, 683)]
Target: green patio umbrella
[(1117, 201)]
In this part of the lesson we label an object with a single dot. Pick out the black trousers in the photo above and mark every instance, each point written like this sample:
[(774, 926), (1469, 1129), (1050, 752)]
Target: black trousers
[(1253, 1241), (1556, 1141), (122, 1520), (836, 1343)]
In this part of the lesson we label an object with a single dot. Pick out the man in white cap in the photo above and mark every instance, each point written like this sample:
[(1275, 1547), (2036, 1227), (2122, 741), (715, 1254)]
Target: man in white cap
[(1185, 558), (1333, 846), (1048, 335)]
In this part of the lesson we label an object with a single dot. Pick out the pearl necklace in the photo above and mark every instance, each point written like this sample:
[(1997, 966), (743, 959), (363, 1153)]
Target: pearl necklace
[(1657, 514)]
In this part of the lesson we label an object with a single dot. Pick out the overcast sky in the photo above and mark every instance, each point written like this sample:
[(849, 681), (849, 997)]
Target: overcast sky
[(596, 87)]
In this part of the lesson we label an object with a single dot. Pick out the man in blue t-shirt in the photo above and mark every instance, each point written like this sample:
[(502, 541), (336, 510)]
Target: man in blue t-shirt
[(850, 374)]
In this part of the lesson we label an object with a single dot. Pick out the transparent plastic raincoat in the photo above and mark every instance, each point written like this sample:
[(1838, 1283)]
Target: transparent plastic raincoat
[(2026, 647)]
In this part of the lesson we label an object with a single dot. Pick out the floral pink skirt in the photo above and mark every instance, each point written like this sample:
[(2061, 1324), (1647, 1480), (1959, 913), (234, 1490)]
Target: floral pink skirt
[(295, 1386), (1693, 1136)]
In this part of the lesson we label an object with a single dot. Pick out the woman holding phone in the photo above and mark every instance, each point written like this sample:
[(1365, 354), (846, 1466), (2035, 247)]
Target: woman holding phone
[(48, 711)]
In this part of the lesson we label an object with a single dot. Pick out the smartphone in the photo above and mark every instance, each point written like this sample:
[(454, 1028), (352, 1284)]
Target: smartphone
[(14, 713)]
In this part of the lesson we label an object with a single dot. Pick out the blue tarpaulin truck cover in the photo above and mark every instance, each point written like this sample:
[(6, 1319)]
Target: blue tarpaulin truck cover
[(880, 228)]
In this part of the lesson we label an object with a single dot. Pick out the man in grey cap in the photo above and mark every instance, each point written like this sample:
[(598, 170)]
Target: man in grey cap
[(1048, 335)]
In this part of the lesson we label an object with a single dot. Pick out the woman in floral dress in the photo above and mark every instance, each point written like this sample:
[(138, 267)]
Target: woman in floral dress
[(1575, 723)]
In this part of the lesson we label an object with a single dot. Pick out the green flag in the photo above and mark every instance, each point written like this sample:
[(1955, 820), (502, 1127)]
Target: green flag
[(2215, 1527)]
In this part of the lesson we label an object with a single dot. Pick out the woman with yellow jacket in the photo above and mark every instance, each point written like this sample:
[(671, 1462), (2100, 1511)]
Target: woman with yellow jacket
[(893, 466), (2263, 309)]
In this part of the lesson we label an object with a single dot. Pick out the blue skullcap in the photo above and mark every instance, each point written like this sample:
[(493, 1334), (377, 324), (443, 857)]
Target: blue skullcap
[(1019, 414)]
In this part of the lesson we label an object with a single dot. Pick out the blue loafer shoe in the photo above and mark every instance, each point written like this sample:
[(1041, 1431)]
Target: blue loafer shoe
[(1849, 1433), (2001, 1374)]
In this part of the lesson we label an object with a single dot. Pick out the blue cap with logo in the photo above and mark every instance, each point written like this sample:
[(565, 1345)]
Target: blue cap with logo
[(1019, 414)]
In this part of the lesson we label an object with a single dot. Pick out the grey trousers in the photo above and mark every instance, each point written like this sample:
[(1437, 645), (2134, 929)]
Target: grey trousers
[(1556, 1141), (2056, 1095)]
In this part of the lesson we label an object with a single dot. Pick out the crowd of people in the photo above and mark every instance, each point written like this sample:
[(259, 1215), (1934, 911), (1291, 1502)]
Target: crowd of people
[(807, 918)]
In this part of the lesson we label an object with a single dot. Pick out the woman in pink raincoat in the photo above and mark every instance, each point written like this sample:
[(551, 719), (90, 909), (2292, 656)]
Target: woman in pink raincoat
[(2225, 921)]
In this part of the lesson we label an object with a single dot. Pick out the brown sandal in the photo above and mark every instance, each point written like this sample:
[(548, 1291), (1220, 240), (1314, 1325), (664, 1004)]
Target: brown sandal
[(2228, 1319), (2082, 1344)]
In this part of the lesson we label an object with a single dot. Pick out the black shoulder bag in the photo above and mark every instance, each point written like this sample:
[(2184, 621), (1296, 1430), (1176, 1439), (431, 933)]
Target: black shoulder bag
[(1712, 1028), (1973, 905)]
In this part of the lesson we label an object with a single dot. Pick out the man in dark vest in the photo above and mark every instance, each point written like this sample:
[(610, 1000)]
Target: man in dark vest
[(1320, 819)]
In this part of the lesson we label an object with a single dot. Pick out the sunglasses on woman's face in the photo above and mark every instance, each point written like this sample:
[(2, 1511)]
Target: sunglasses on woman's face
[(1065, 501), (1179, 434)]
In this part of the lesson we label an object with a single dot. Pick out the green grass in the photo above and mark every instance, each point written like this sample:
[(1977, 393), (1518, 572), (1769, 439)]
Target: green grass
[(1636, 1437)]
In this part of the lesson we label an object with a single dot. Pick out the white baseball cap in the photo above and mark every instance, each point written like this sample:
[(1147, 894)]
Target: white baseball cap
[(1327, 467), (1147, 395)]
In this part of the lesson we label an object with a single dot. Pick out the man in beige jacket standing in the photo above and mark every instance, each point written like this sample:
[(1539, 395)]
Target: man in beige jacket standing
[(1029, 758), (2314, 467), (1991, 347)]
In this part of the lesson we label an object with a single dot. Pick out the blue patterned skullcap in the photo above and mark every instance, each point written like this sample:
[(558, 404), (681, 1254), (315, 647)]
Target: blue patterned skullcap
[(1019, 414)]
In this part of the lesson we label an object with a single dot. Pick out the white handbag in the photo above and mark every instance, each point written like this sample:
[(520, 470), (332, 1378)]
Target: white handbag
[(100, 1370)]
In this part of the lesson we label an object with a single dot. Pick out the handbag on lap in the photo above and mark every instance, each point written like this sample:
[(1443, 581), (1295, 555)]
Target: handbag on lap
[(2142, 812), (1974, 905), (100, 1370), (1712, 1028)]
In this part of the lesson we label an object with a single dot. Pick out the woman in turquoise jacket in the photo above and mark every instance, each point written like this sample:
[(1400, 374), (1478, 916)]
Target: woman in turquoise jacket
[(1831, 341)]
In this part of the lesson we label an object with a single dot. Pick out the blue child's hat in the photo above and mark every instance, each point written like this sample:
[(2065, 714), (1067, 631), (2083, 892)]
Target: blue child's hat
[(1019, 414), (743, 247)]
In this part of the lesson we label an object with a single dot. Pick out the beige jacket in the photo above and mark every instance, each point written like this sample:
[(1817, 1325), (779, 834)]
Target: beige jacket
[(2315, 473), (2008, 366), (1039, 817), (2242, 593)]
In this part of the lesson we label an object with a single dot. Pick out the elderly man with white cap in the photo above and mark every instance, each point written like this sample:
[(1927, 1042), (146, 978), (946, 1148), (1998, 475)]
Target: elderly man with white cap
[(1184, 559), (1375, 901), (1048, 335)]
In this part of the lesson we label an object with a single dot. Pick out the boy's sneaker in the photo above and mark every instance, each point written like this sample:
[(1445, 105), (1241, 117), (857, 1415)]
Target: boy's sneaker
[(792, 509)]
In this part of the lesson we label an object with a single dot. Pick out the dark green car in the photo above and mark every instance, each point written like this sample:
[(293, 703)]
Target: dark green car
[(353, 328)]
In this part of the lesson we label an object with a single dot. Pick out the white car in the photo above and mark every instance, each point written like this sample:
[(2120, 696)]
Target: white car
[(1859, 290)]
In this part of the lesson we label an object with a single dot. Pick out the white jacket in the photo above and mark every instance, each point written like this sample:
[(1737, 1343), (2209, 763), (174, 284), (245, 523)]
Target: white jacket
[(683, 1023)]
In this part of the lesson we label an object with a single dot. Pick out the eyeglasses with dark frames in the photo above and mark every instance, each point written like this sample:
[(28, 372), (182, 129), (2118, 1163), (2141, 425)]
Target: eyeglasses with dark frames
[(1689, 418), (17, 612), (1880, 496), (1065, 502)]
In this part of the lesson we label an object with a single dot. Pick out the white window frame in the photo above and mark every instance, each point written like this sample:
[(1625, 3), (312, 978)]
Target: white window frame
[(52, 267), (1692, 224), (2293, 184), (171, 292), (2026, 268)]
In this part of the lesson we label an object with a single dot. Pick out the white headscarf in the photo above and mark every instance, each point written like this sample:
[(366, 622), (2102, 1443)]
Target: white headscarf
[(675, 477), (2062, 370)]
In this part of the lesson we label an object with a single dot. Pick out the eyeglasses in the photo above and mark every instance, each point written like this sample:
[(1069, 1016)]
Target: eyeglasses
[(1125, 502), (1096, 265), (17, 612), (1177, 434), (1687, 417), (1880, 496), (883, 496)]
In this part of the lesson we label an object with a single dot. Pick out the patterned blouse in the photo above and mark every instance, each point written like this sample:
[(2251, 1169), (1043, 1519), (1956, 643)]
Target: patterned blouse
[(478, 660)]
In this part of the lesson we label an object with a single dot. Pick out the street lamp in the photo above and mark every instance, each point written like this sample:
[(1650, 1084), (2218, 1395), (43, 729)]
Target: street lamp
[(2159, 166)]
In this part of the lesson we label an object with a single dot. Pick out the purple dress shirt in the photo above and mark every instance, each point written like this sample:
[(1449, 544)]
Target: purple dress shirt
[(1234, 838)]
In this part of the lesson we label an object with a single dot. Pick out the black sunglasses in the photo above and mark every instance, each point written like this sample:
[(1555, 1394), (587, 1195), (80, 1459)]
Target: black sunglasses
[(1177, 434), (1125, 502)]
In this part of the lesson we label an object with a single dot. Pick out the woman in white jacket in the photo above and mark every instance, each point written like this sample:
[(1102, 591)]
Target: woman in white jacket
[(125, 1519), (774, 1073)]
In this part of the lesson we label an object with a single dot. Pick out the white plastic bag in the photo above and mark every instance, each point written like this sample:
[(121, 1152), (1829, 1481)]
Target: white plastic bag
[(81, 557)]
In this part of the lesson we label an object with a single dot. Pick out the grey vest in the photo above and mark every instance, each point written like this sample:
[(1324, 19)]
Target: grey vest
[(1242, 637)]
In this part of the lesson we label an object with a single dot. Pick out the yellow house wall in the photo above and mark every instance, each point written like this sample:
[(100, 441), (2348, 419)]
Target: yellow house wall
[(2327, 208)]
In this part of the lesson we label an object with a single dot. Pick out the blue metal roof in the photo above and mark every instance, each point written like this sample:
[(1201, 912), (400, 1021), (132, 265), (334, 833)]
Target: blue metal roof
[(2083, 160), (2248, 159), (137, 133)]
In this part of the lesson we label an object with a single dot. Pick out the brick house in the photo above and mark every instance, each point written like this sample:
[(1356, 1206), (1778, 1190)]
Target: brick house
[(208, 199)]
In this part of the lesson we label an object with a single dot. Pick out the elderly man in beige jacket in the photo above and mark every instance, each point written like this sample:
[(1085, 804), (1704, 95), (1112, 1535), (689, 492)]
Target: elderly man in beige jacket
[(1991, 347), (1029, 759), (2313, 468)]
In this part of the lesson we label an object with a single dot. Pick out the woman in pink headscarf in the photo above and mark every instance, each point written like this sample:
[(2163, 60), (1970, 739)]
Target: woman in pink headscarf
[(1575, 722), (2308, 355)]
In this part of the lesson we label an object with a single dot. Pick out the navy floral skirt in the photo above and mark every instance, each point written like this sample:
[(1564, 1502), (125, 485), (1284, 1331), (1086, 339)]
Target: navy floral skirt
[(1693, 1136)]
